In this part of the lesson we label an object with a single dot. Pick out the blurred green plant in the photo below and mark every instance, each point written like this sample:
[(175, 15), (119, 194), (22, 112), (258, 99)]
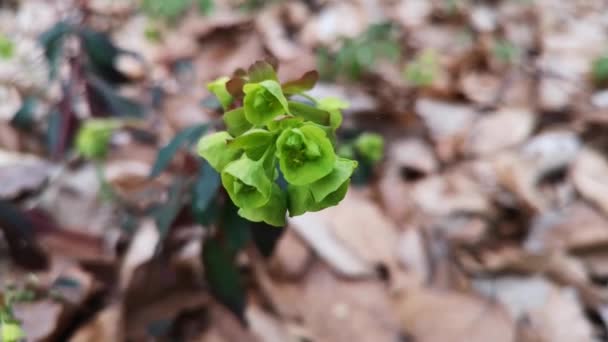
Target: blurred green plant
[(10, 327), (357, 55), (599, 70), (171, 10), (7, 47), (423, 70), (506, 52), (367, 149)]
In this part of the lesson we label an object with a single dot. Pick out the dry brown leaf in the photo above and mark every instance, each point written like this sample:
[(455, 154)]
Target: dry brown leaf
[(575, 227), (291, 257), (326, 303), (489, 135), (22, 174), (105, 326), (435, 316), (340, 19), (140, 251), (590, 177), (315, 229), (412, 255), (450, 193), (448, 124)]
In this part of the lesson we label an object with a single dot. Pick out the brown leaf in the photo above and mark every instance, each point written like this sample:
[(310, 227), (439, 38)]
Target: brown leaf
[(589, 176), (105, 326), (431, 315)]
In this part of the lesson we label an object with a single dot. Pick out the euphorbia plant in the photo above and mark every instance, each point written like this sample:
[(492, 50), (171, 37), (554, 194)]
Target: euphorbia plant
[(277, 153)]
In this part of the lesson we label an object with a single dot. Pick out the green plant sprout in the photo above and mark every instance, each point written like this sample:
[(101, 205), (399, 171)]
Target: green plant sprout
[(506, 52), (273, 139), (599, 70), (10, 328), (422, 71), (7, 47), (357, 55)]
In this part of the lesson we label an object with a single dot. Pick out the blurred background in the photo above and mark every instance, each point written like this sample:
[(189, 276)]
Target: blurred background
[(478, 212)]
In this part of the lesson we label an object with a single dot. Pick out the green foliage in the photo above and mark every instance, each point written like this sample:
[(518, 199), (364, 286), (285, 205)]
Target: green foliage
[(423, 70), (370, 146), (93, 138), (7, 47), (165, 9), (599, 70), (506, 51), (358, 55), (274, 138)]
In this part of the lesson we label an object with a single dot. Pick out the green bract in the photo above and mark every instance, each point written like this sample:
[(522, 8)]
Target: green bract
[(218, 88), (305, 154), (215, 149), (273, 135), (247, 183), (264, 101)]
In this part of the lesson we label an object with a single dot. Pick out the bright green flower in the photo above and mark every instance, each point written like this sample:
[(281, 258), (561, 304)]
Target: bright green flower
[(236, 123), (305, 154), (333, 106), (247, 183), (370, 146), (216, 150), (272, 212), (93, 138), (325, 192), (218, 88), (264, 101)]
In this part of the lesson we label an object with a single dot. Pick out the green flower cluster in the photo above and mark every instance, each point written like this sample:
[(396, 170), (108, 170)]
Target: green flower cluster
[(269, 135)]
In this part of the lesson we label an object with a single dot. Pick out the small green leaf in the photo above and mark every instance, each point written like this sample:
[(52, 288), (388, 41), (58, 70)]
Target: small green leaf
[(236, 123), (264, 101), (165, 9), (184, 138), (310, 113), (247, 183), (254, 142), (223, 276), (304, 83), (7, 47), (216, 150), (273, 212), (218, 88), (305, 154), (599, 70), (261, 71), (93, 138)]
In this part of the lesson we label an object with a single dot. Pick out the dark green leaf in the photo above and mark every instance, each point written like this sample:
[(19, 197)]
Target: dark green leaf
[(105, 100), (304, 83), (166, 214), (223, 276), (102, 54), (18, 231), (52, 42), (309, 113), (24, 118), (204, 193), (265, 237), (234, 228), (187, 137)]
